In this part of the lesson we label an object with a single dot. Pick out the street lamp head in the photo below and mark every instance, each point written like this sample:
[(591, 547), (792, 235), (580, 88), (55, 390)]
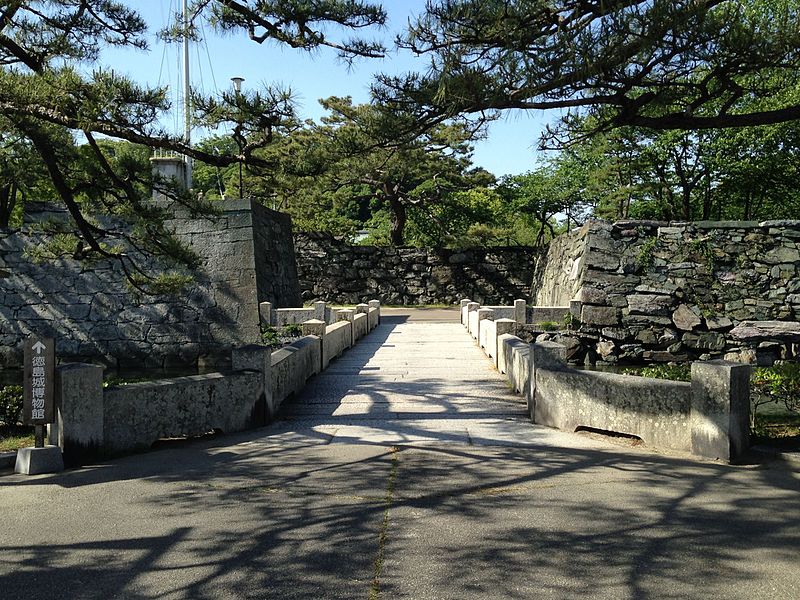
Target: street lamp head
[(237, 83)]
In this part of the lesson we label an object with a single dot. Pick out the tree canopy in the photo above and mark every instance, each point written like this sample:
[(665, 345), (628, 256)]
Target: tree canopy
[(49, 104), (661, 64)]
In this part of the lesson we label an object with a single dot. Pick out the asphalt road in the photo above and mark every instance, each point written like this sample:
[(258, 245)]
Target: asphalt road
[(407, 470)]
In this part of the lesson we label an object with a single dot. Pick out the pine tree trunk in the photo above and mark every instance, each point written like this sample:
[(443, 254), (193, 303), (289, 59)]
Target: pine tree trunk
[(399, 218)]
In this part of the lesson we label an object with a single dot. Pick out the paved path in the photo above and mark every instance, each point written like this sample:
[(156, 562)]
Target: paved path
[(417, 383), (420, 479)]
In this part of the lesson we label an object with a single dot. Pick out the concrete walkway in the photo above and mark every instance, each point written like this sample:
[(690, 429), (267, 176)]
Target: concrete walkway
[(418, 479), (415, 382)]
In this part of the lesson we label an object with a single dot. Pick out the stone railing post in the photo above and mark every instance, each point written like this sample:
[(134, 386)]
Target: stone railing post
[(471, 307), (575, 307), (483, 313), (265, 313), (520, 311), (257, 358), (720, 417), (317, 327), (347, 314), (464, 304), (504, 326), (362, 308), (543, 355), (319, 311), (376, 304), (78, 429)]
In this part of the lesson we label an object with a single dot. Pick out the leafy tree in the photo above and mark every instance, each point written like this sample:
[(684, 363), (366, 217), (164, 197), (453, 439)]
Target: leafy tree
[(661, 64), (49, 105), (22, 175), (356, 164), (557, 188)]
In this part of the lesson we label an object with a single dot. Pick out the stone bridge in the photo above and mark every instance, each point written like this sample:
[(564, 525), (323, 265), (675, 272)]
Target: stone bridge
[(417, 379)]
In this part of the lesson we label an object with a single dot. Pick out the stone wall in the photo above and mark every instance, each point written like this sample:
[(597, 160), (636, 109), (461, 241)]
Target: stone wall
[(659, 292), (334, 271), (276, 267), (93, 314)]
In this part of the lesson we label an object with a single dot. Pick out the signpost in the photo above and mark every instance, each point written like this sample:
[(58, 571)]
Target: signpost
[(39, 383)]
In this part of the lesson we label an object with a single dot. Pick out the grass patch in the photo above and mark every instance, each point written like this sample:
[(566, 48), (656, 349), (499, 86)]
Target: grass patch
[(14, 438), (774, 426)]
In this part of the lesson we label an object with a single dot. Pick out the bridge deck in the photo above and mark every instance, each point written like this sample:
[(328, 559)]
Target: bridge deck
[(416, 381)]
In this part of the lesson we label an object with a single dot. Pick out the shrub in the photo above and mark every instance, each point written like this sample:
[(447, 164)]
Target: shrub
[(10, 404), (269, 335), (673, 372), (292, 330), (779, 383), (549, 326)]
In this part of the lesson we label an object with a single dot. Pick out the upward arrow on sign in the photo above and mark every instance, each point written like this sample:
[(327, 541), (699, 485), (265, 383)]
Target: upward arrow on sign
[(39, 346)]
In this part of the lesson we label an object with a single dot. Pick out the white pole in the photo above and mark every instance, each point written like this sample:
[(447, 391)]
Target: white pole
[(187, 105)]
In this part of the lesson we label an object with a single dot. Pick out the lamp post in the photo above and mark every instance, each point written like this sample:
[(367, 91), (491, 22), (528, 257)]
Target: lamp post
[(237, 87)]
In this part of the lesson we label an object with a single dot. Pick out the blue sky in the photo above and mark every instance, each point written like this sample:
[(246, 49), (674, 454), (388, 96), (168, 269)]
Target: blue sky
[(509, 149)]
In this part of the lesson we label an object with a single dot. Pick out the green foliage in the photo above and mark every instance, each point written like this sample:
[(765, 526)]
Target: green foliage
[(702, 251), (269, 336), (672, 372), (57, 90), (549, 326), (571, 321), (663, 64), (779, 383), (645, 257), (274, 337), (10, 404), (292, 330)]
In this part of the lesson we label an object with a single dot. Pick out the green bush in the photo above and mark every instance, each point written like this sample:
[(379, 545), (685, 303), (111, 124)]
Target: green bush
[(549, 326), (269, 336), (673, 372), (292, 330), (10, 404), (779, 383)]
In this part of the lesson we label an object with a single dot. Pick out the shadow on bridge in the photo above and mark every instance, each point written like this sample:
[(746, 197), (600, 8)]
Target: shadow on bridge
[(283, 512), (285, 515)]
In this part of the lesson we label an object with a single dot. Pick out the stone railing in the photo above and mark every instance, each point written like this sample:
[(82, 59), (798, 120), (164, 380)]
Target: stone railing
[(95, 422), (708, 417), (318, 311)]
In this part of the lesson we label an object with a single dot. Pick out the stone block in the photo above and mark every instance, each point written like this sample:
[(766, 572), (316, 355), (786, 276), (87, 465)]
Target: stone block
[(685, 318), (592, 295), (259, 359), (38, 461), (265, 313), (520, 310), (704, 341), (648, 304), (720, 409), (600, 315), (715, 323), (602, 261), (320, 310), (747, 331), (781, 254), (79, 429)]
